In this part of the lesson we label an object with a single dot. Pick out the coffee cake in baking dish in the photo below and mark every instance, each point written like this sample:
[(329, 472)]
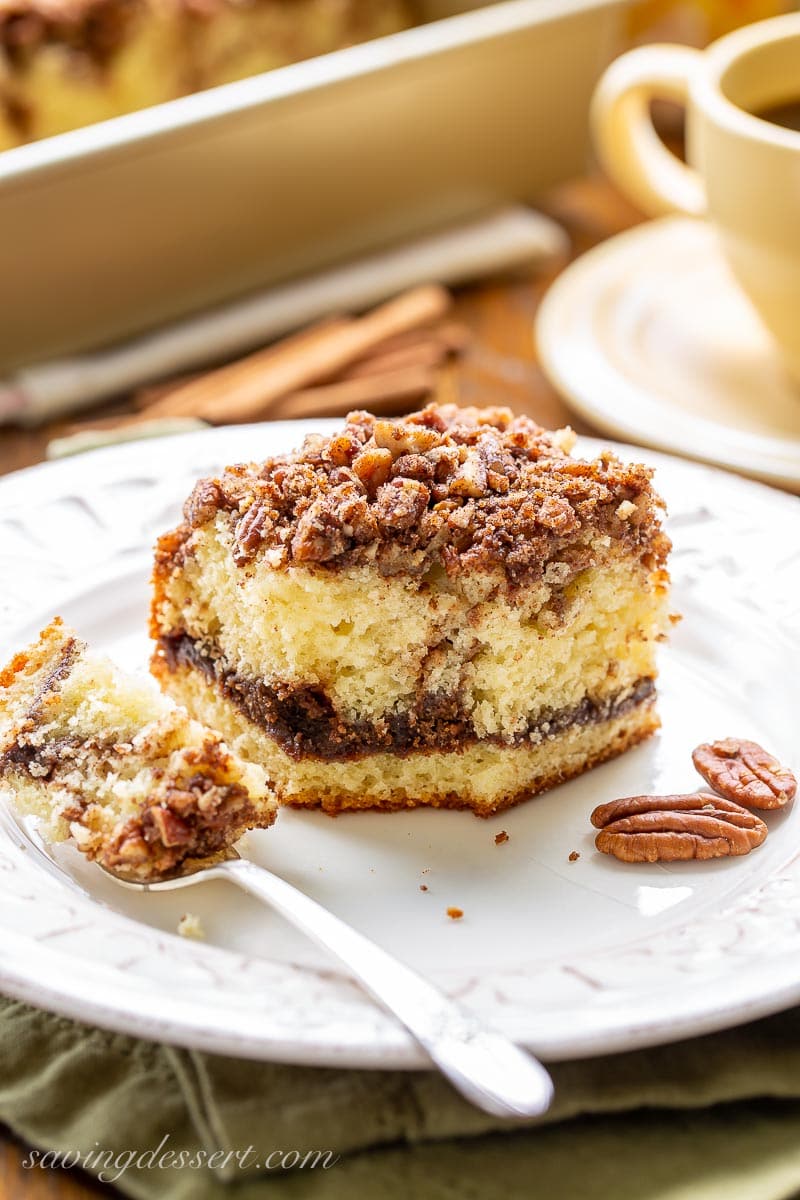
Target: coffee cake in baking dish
[(68, 63), (446, 609)]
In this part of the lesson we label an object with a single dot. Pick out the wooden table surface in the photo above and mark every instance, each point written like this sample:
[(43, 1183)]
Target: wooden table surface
[(500, 368)]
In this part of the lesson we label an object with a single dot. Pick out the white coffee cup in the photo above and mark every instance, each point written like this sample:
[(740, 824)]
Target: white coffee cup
[(743, 172)]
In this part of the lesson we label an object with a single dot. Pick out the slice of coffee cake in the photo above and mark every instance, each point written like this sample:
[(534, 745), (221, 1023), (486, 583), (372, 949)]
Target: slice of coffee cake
[(443, 610), (101, 757)]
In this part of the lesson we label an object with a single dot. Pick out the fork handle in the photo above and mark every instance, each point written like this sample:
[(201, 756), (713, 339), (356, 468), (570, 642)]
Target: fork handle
[(483, 1065)]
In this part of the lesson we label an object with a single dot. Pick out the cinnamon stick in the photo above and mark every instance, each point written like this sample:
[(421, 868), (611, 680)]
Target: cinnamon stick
[(429, 353), (454, 336), (373, 392), (300, 343), (248, 388), (143, 397)]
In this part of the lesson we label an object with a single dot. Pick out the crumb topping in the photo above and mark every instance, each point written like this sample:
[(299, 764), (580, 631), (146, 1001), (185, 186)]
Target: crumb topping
[(466, 487)]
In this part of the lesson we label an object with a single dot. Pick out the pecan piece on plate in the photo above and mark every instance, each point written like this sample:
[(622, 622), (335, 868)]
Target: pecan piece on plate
[(744, 771), (672, 828)]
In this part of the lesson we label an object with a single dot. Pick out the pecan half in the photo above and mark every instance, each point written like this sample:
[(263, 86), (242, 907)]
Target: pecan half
[(744, 771), (674, 828)]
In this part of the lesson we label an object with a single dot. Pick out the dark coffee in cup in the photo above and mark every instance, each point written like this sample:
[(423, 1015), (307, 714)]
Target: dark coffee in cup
[(786, 114)]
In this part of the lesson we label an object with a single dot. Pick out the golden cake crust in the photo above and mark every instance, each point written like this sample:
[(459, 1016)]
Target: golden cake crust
[(606, 748)]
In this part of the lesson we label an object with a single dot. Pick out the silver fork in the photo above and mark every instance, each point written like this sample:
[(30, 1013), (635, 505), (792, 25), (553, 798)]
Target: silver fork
[(486, 1067)]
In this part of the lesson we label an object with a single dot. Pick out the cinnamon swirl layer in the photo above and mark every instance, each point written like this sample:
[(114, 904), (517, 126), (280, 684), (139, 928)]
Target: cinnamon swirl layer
[(483, 775), (304, 723)]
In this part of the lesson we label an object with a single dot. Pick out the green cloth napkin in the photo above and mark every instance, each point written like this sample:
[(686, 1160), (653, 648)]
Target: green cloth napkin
[(714, 1118)]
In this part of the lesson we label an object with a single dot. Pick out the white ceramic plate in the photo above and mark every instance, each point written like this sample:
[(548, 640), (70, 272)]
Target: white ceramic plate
[(572, 958), (650, 338)]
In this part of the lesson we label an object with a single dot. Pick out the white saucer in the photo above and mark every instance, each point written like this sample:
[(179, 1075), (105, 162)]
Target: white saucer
[(649, 337)]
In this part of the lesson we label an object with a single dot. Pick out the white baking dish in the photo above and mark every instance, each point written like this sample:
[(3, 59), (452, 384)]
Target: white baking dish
[(123, 225)]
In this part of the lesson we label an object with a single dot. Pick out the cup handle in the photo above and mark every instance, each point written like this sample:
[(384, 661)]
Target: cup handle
[(628, 146)]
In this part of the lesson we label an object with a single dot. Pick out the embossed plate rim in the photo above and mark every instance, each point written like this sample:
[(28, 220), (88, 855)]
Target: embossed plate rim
[(740, 968)]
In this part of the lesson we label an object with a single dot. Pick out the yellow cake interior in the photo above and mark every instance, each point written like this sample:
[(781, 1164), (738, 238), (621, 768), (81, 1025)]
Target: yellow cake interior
[(367, 640)]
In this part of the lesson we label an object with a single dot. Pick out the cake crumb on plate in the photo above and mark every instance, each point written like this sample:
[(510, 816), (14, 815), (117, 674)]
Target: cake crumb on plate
[(190, 926)]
